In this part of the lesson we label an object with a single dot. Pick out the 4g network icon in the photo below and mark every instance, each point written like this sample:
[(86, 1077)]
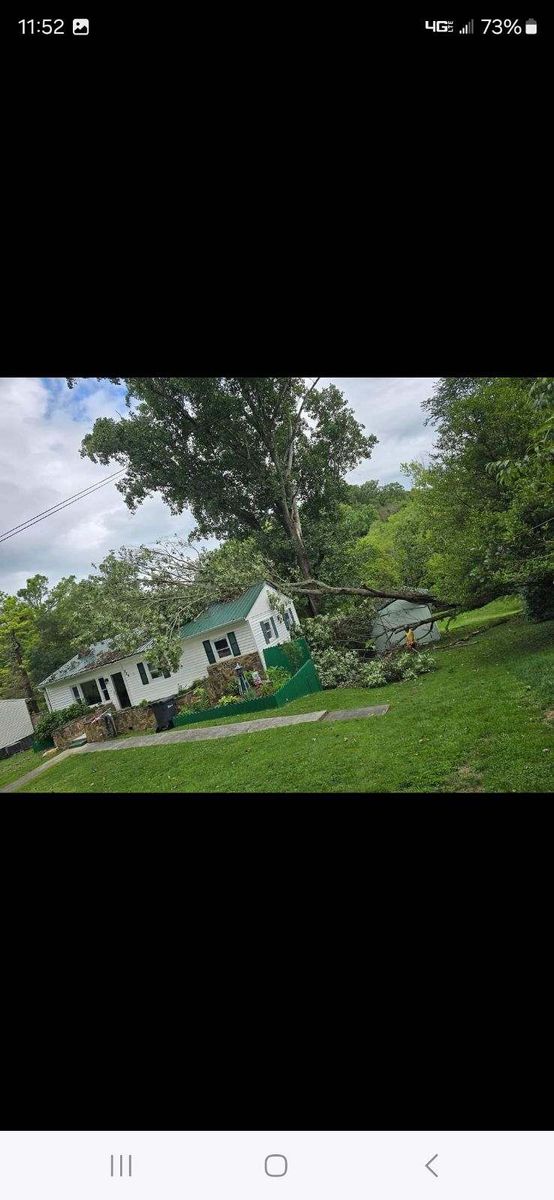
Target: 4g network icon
[(440, 26)]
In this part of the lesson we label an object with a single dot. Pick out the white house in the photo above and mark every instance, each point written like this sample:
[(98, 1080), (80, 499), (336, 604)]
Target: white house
[(15, 723), (222, 631), (402, 612)]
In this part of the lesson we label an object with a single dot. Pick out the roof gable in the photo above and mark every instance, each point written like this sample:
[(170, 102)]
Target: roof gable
[(223, 613)]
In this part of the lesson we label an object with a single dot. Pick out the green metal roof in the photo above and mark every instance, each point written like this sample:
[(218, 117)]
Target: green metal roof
[(222, 614)]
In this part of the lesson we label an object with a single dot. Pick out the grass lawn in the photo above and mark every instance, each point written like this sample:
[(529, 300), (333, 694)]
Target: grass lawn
[(477, 724), (504, 607), (20, 764)]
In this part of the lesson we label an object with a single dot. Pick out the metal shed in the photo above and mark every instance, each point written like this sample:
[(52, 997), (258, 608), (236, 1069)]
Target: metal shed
[(16, 727), (402, 612)]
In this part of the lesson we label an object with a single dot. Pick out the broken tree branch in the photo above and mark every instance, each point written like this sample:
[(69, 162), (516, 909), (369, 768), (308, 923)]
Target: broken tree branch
[(314, 587)]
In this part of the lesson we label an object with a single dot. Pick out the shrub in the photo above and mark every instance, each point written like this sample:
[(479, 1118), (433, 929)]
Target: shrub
[(199, 700), (229, 699), (336, 668), (53, 720), (277, 676), (372, 674), (538, 599), (343, 668), (415, 664)]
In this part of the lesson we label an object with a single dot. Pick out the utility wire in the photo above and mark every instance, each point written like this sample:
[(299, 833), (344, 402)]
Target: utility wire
[(49, 512), (58, 502)]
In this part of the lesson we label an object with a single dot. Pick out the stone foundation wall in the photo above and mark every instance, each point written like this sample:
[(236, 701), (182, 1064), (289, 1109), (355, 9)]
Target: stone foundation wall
[(140, 718), (223, 673), (95, 730)]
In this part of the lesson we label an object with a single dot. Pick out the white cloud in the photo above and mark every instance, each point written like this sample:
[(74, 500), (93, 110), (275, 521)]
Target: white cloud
[(40, 465), (391, 409), (42, 424)]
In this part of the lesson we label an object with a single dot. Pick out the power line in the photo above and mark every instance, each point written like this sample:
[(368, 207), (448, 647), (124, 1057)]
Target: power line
[(49, 512), (37, 520), (58, 502)]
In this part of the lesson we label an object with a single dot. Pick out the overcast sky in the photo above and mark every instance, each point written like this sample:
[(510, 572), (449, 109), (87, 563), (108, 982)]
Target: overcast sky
[(42, 424)]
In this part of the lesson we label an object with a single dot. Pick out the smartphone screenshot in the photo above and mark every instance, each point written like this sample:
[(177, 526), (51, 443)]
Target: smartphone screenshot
[(216, 576), (256, 1165)]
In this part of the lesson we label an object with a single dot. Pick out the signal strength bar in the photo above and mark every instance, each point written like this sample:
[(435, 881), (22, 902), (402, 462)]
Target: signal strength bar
[(469, 28)]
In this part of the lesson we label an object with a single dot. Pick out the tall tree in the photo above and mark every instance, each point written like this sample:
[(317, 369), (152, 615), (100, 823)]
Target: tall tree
[(18, 634), (244, 454), (35, 591), (487, 495)]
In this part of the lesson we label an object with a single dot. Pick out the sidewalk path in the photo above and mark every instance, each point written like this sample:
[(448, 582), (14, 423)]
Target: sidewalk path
[(200, 735)]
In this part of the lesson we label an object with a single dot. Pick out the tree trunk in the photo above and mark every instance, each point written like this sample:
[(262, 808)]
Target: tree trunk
[(294, 529), (27, 685)]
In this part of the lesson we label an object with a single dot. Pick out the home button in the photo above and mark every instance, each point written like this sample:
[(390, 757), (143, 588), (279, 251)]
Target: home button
[(276, 1165)]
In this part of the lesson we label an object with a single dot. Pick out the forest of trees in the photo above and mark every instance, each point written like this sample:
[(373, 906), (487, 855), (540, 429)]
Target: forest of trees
[(269, 481)]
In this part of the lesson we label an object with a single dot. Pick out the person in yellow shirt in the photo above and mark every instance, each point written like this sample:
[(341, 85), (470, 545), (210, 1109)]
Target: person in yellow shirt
[(410, 638)]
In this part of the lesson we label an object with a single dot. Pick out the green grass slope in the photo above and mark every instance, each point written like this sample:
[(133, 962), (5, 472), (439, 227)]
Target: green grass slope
[(19, 764), (477, 724)]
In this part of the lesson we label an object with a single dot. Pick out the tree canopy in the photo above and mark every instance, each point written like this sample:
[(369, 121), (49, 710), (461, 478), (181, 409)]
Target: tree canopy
[(245, 455)]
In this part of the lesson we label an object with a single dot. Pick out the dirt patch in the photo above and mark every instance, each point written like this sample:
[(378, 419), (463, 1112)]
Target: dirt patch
[(469, 779), (549, 715)]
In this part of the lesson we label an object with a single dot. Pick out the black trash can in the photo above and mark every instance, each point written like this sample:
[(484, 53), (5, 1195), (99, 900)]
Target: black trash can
[(164, 711)]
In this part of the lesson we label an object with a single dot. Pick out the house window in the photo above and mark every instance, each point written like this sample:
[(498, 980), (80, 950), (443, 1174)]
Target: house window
[(75, 691), (156, 673), (288, 618), (274, 627), (142, 672), (222, 648), (90, 692), (266, 630), (104, 686)]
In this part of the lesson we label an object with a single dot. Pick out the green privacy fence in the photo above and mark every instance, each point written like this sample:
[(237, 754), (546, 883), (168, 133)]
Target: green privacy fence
[(302, 683), (290, 655)]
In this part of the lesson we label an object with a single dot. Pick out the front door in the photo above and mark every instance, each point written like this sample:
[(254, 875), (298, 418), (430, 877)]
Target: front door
[(121, 690)]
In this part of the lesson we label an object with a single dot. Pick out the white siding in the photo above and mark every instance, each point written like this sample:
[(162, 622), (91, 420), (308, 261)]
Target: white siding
[(15, 722), (194, 665), (261, 611), (59, 695)]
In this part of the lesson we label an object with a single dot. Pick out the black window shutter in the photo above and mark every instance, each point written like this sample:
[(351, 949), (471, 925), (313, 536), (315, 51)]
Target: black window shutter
[(142, 672), (274, 627), (233, 643), (209, 652)]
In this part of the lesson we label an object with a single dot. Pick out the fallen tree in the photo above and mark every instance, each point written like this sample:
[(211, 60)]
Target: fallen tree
[(315, 587)]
